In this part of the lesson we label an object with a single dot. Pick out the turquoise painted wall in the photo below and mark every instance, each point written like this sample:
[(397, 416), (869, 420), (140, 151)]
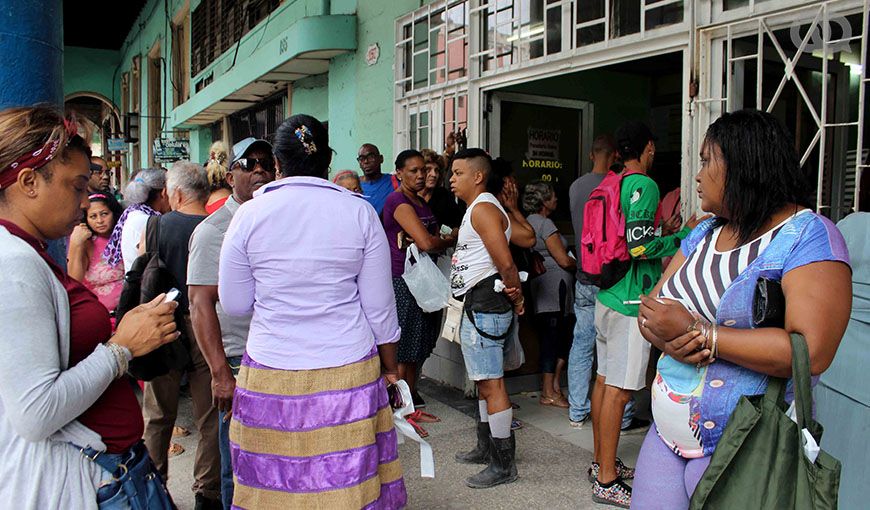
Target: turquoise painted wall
[(91, 70), (361, 96), (311, 96), (152, 26)]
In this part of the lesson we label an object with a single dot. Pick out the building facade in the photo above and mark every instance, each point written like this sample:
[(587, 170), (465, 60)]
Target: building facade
[(530, 80)]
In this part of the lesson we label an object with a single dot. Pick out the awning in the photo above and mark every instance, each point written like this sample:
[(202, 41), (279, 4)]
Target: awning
[(301, 50)]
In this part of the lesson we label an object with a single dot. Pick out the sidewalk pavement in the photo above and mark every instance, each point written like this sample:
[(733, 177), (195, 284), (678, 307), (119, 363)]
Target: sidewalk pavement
[(551, 458)]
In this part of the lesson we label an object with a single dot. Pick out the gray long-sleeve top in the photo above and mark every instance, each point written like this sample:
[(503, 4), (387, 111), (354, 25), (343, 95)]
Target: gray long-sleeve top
[(40, 395)]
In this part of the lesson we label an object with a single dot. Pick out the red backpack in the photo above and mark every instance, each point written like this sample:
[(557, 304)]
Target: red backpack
[(604, 250)]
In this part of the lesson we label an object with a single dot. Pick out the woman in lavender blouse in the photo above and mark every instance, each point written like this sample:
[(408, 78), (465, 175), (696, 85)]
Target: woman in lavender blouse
[(312, 425)]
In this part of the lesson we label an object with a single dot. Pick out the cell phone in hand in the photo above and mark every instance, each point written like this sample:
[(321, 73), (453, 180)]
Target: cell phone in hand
[(172, 295)]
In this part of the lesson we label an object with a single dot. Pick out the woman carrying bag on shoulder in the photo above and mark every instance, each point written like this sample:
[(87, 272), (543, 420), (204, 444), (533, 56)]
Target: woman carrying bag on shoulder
[(407, 219), (701, 315), (70, 424)]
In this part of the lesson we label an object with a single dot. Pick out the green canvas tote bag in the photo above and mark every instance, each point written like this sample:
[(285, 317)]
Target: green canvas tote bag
[(759, 463)]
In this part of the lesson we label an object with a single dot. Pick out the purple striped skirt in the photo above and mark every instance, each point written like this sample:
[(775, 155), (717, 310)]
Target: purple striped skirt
[(319, 438)]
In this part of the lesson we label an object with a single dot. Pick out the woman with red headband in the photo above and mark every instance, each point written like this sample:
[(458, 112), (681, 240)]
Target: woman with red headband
[(70, 425), (88, 257)]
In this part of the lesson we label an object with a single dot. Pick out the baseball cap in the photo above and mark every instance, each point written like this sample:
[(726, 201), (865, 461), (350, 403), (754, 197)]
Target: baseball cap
[(633, 136), (248, 144)]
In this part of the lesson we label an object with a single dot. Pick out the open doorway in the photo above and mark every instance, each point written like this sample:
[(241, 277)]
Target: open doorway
[(545, 129), (530, 123)]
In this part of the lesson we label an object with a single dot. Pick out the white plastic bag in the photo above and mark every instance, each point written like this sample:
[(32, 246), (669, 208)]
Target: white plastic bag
[(426, 282), (404, 429), (514, 355)]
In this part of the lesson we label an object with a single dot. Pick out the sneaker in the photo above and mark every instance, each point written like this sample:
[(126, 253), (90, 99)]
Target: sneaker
[(419, 403), (636, 426), (578, 424), (615, 493), (516, 424), (622, 471)]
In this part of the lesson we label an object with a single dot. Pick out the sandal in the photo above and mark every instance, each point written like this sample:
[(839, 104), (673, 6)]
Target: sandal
[(178, 431), (554, 402), (423, 417), (417, 428), (175, 449)]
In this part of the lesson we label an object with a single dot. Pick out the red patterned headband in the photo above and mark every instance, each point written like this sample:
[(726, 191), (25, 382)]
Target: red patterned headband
[(35, 159)]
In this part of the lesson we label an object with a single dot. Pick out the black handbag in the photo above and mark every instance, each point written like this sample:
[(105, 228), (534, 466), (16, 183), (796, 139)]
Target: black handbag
[(147, 278), (768, 304)]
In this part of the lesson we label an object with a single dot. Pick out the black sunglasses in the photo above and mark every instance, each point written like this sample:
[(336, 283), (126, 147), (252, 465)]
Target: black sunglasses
[(249, 164)]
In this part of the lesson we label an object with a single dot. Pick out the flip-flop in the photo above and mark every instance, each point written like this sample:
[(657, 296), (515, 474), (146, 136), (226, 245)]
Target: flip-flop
[(553, 402), (424, 417), (175, 449), (178, 431), (417, 428)]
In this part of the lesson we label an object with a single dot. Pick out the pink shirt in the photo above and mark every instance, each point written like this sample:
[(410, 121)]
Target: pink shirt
[(105, 281), (310, 260)]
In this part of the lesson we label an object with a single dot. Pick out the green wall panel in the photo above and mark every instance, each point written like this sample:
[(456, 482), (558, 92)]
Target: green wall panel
[(91, 70)]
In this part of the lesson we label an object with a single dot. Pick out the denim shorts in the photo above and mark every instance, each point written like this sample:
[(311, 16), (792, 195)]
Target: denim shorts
[(484, 358)]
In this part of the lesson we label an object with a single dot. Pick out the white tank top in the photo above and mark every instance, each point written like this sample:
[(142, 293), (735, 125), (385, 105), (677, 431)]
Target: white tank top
[(471, 262)]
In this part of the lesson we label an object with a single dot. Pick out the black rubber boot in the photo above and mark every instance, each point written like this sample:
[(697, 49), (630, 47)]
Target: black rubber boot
[(502, 467), (480, 453)]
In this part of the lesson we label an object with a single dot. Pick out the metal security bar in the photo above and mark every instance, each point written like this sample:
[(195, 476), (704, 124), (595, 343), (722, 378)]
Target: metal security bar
[(821, 68)]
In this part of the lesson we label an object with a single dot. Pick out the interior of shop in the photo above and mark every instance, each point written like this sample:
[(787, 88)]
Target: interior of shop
[(547, 143)]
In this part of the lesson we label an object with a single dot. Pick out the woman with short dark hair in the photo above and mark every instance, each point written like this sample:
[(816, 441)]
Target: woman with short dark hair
[(407, 220), (701, 317), (312, 425)]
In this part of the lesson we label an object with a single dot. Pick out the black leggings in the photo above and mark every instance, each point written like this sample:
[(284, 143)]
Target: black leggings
[(555, 333)]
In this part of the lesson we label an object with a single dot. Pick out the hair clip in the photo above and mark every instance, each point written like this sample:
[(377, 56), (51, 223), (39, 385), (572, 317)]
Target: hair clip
[(303, 134)]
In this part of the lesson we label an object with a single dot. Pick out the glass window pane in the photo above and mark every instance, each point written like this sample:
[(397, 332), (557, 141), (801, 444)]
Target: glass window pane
[(588, 10), (420, 70), (665, 15), (554, 30), (590, 35), (625, 17)]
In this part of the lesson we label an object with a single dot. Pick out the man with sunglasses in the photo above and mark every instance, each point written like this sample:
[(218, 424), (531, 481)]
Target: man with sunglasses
[(375, 185), (222, 338), (100, 176)]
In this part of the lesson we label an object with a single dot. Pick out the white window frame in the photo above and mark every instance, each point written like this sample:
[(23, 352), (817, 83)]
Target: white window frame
[(668, 38)]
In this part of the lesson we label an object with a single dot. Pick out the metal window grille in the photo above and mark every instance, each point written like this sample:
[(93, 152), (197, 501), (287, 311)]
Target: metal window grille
[(216, 25), (260, 121), (773, 62)]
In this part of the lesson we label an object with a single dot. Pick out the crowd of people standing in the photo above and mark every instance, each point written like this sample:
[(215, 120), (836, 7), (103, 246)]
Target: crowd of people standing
[(297, 321)]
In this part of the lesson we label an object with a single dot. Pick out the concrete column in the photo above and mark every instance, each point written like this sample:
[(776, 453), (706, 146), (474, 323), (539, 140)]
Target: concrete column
[(31, 63)]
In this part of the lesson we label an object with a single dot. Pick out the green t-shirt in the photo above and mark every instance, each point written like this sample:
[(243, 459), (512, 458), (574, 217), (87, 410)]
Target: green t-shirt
[(639, 198)]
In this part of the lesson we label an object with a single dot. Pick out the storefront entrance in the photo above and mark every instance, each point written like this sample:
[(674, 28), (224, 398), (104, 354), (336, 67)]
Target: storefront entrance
[(545, 129)]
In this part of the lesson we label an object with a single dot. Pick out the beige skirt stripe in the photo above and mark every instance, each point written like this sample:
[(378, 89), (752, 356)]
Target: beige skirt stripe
[(306, 382), (312, 442), (357, 496)]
